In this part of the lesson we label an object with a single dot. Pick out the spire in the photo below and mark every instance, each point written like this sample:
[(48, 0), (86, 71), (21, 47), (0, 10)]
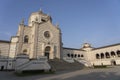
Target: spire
[(22, 22), (48, 14), (40, 11), (57, 24)]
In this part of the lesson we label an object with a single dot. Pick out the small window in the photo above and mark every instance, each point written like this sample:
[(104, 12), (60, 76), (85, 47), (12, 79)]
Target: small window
[(75, 55), (78, 55), (36, 19), (82, 55), (47, 34), (26, 38), (118, 53), (107, 55), (113, 54), (68, 55), (97, 56), (72, 55), (43, 20), (102, 55)]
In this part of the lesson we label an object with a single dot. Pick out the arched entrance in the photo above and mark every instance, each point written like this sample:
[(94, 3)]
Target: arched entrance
[(47, 51), (113, 62), (2, 68)]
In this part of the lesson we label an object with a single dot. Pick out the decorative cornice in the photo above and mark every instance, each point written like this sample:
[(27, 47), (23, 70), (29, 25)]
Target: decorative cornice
[(73, 49), (4, 41), (107, 46)]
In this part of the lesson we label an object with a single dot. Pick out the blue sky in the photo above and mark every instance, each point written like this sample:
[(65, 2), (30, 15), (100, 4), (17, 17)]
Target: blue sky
[(92, 21)]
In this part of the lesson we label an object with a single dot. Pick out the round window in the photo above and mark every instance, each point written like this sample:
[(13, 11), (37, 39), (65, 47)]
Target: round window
[(47, 34)]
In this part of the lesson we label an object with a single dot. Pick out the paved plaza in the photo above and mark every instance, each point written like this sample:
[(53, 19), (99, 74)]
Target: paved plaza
[(85, 74)]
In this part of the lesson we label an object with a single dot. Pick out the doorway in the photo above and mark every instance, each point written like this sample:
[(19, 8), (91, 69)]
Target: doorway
[(2, 68), (113, 62), (47, 52), (47, 55)]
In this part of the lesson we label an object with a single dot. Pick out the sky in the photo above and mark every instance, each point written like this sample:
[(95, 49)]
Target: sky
[(81, 21)]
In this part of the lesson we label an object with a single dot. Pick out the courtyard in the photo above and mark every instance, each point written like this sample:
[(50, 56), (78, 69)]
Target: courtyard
[(85, 74)]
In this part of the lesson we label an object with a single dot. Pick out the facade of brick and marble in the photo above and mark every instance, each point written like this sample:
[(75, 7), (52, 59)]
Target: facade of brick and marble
[(41, 34)]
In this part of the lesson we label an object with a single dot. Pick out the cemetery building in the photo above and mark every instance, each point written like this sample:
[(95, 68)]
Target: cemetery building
[(41, 41)]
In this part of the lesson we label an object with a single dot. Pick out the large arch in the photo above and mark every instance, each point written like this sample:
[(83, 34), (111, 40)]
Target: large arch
[(47, 51)]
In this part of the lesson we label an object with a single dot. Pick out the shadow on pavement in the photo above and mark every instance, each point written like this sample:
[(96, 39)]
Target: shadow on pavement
[(96, 76)]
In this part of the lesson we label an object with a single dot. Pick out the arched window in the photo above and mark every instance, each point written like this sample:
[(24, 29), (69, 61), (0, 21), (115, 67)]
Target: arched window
[(97, 56), (75, 55), (26, 38), (102, 55), (118, 53), (68, 55), (113, 54), (78, 55), (25, 51), (82, 55), (47, 49), (72, 55), (107, 55)]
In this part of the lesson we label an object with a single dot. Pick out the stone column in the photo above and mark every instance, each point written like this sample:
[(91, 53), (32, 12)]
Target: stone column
[(52, 52), (43, 49)]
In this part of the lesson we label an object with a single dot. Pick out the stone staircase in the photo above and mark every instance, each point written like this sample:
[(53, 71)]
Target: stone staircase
[(32, 65), (61, 65)]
